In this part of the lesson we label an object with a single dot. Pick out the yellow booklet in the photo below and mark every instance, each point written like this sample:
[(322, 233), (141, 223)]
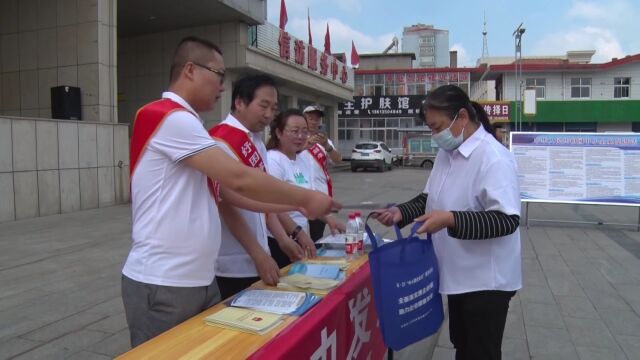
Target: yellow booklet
[(251, 321), (299, 282)]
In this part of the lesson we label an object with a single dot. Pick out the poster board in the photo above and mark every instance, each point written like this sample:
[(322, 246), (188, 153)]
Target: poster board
[(580, 168)]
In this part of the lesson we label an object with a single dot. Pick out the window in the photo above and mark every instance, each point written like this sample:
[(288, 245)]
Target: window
[(378, 123), (427, 59), (426, 50), (580, 88), (390, 89), (621, 87), (537, 84)]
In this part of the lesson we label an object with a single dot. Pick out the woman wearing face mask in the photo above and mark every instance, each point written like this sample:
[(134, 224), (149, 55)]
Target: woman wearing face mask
[(471, 205)]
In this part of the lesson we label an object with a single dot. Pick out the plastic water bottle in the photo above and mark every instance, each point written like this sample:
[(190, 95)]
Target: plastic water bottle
[(351, 237), (360, 247)]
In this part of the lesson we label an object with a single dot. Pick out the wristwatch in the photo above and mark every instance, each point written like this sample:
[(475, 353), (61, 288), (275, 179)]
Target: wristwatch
[(329, 149), (295, 232)]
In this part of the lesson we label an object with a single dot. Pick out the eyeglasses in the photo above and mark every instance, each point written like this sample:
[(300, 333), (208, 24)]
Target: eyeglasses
[(297, 133), (215, 71)]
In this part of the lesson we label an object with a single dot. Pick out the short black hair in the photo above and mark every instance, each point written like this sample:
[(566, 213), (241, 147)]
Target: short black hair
[(191, 48), (245, 88)]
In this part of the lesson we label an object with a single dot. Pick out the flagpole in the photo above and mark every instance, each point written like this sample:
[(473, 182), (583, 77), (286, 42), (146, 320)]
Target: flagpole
[(309, 27)]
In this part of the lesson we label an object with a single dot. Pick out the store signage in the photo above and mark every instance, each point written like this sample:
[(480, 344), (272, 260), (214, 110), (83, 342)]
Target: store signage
[(497, 110), (307, 56), (407, 78), (381, 106)]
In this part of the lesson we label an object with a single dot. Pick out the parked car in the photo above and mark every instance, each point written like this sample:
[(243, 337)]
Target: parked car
[(371, 154), (422, 160)]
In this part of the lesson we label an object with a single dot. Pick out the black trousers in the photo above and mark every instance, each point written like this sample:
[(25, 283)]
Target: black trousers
[(277, 254), (476, 323), (230, 286), (316, 229)]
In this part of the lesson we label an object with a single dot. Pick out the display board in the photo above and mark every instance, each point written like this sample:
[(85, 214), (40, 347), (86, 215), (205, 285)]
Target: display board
[(589, 168)]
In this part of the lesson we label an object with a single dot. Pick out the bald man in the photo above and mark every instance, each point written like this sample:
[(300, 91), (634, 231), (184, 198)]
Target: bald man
[(169, 274)]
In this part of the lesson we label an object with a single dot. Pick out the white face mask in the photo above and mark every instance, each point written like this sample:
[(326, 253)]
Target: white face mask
[(445, 139)]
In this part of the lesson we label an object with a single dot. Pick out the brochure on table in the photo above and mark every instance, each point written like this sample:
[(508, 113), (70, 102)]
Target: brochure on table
[(276, 302), (246, 320)]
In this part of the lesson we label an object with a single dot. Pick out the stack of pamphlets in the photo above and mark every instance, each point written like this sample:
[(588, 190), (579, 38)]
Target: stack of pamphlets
[(275, 301), (257, 311), (317, 278), (330, 256), (246, 320)]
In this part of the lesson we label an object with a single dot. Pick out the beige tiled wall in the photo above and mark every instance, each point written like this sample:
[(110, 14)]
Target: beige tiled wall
[(144, 62), (46, 43), (50, 167)]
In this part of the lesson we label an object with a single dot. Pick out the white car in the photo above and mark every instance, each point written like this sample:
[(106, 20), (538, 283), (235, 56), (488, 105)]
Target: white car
[(371, 154)]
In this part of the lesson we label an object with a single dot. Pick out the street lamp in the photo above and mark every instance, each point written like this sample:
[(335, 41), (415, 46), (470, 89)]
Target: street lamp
[(517, 34)]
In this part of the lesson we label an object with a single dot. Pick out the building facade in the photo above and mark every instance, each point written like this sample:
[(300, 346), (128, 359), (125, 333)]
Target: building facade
[(572, 95), (430, 45), (118, 54), (387, 99)]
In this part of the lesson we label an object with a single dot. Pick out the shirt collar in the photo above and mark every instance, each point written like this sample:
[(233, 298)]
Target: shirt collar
[(233, 121), (177, 98), (466, 148)]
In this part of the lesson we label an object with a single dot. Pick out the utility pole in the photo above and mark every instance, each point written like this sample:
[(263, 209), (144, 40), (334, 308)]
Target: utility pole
[(517, 34)]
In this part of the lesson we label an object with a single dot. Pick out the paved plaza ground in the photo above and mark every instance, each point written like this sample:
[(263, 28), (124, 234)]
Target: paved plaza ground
[(60, 280)]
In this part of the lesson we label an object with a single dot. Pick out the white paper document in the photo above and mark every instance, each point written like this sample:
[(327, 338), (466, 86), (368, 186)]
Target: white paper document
[(277, 302)]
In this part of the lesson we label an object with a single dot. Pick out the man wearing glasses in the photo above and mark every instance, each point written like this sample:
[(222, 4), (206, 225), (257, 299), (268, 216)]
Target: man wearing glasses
[(169, 274)]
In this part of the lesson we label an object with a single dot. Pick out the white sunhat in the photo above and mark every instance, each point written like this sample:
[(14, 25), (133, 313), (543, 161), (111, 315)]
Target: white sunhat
[(312, 108)]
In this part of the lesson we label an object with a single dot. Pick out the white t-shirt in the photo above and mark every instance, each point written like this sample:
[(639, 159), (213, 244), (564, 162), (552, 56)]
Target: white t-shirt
[(318, 177), (295, 172), (233, 260), (478, 176), (176, 228)]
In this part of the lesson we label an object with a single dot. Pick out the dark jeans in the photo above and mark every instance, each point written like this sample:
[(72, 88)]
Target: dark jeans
[(476, 323), (230, 286), (316, 229), (153, 309), (277, 254)]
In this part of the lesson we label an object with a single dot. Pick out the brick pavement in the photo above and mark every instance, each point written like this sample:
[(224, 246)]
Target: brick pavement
[(60, 281)]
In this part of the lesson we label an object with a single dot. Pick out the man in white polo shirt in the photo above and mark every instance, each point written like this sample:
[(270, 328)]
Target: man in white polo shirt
[(169, 274)]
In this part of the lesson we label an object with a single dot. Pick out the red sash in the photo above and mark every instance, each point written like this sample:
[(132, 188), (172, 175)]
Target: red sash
[(241, 144), (318, 153), (147, 122)]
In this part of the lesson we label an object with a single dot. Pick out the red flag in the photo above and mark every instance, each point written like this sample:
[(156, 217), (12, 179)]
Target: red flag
[(327, 41), (355, 58), (309, 26), (283, 15)]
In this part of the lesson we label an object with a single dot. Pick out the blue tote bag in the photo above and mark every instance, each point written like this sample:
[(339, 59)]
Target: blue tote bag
[(405, 288)]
